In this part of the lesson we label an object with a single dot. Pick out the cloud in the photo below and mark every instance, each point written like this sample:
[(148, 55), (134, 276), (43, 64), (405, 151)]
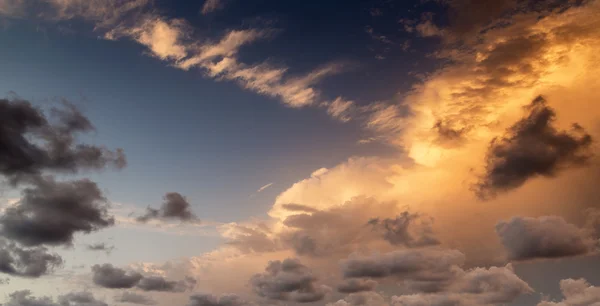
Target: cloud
[(27, 262), (340, 109), (134, 298), (175, 206), (159, 283), (32, 142), (211, 6), (24, 298), (532, 147), (544, 237), (288, 280), (223, 300), (362, 299), (264, 187), (411, 230), (51, 212), (576, 292), (111, 277), (100, 247), (356, 285)]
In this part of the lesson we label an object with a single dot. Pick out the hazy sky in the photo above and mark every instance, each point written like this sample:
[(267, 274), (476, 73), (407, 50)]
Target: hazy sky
[(267, 152)]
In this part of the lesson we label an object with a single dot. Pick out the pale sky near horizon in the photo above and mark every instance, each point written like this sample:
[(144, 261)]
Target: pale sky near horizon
[(395, 152)]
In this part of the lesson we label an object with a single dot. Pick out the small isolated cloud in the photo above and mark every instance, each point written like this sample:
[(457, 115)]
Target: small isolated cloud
[(210, 6), (532, 147), (134, 298), (340, 109), (26, 262), (175, 206), (111, 277), (544, 237), (576, 292), (100, 247), (261, 189), (288, 280), (223, 300)]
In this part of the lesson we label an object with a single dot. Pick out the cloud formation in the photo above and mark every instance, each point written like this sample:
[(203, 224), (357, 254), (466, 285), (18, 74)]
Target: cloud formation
[(134, 298), (111, 277), (544, 237), (356, 285), (533, 147), (223, 300), (27, 262), (288, 280), (24, 298), (576, 292), (175, 206)]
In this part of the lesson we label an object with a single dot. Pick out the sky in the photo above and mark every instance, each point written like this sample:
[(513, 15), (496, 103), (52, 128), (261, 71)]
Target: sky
[(321, 153)]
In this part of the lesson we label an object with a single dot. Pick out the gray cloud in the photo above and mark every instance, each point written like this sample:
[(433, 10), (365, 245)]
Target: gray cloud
[(24, 298), (111, 277), (299, 208), (544, 237), (26, 262), (51, 212), (223, 300), (407, 229), (100, 247), (532, 147), (175, 206), (134, 298), (288, 280), (576, 292), (356, 285), (31, 142), (159, 283), (362, 299)]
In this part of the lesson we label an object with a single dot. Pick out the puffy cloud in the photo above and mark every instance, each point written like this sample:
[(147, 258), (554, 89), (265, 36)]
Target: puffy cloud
[(159, 283), (576, 292), (356, 285), (26, 262), (223, 300), (288, 280), (362, 299), (544, 237), (111, 277), (175, 206), (406, 229), (51, 212), (32, 142), (134, 298), (24, 298), (532, 147)]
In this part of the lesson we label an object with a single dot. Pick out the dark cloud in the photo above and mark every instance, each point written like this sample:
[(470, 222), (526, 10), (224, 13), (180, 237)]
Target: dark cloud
[(223, 300), (111, 277), (288, 280), (299, 208), (159, 283), (100, 247), (31, 143), (469, 17), (175, 206), (134, 298), (356, 285), (26, 262), (407, 229), (544, 237), (448, 135), (51, 212), (532, 147), (421, 265), (24, 298)]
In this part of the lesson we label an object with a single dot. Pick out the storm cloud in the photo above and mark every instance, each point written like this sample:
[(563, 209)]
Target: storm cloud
[(527, 238), (288, 280), (26, 262), (175, 206), (532, 147)]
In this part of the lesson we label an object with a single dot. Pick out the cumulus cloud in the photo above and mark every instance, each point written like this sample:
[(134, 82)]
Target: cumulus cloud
[(362, 299), (134, 298), (223, 300), (356, 285), (175, 206), (533, 147), (288, 280), (408, 229), (544, 237), (576, 292), (108, 276), (26, 262), (51, 212), (159, 283), (33, 142), (24, 298)]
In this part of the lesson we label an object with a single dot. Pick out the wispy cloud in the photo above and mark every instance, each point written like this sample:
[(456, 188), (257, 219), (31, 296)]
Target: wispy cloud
[(261, 189)]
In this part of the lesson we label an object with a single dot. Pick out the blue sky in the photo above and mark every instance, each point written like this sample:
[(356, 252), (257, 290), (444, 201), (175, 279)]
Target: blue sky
[(315, 131)]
